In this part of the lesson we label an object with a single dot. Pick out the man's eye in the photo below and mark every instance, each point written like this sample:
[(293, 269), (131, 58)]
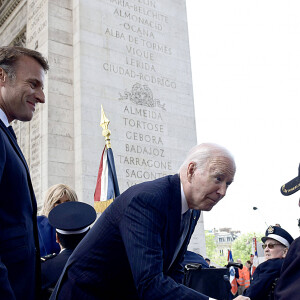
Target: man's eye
[(219, 178), (32, 84)]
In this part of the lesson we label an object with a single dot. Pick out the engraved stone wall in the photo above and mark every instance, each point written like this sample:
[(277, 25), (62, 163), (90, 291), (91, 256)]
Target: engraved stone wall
[(13, 15), (130, 56), (37, 36), (134, 59), (60, 95)]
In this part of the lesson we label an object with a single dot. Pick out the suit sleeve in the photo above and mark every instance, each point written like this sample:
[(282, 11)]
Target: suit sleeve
[(288, 283), (177, 272), (141, 228), (6, 291)]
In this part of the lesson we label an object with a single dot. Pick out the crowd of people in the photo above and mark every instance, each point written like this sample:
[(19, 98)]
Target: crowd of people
[(136, 248)]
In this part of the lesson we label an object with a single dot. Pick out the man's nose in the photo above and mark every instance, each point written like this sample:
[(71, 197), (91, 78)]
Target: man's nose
[(40, 96), (222, 190)]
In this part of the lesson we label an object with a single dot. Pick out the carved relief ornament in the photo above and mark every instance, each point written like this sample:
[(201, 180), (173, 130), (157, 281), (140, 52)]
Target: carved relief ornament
[(6, 8)]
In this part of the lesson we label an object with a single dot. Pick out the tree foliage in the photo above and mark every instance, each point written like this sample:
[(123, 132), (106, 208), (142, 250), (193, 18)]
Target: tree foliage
[(210, 244), (212, 252), (242, 247)]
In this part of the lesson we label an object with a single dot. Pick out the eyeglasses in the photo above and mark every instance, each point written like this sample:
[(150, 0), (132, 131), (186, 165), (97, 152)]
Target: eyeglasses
[(270, 246)]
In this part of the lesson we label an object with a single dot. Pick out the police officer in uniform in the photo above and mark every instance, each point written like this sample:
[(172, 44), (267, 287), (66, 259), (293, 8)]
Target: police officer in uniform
[(71, 221), (288, 283), (276, 244)]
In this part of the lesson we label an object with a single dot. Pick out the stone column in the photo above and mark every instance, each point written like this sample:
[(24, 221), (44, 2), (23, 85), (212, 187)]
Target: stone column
[(50, 31)]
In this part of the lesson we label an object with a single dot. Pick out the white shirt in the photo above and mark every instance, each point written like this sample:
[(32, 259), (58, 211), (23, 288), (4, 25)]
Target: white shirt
[(184, 205)]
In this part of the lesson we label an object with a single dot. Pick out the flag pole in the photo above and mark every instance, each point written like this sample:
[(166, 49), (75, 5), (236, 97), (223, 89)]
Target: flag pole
[(107, 187), (105, 131)]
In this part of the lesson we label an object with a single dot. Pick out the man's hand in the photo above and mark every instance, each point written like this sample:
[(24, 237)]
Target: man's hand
[(242, 298)]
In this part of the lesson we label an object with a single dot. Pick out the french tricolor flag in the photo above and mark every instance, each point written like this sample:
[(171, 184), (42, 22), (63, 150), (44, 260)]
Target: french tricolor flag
[(255, 262), (232, 278), (107, 188)]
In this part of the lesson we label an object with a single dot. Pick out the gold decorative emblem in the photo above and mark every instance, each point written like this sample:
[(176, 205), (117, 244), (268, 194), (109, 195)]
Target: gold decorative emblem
[(284, 189), (270, 229)]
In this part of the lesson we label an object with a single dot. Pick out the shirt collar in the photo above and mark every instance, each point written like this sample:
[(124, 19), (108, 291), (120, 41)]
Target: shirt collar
[(3, 118), (184, 205)]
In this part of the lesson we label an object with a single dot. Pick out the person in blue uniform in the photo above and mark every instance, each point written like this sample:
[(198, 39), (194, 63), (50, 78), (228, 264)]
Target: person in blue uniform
[(56, 194), (72, 221), (276, 244), (288, 284)]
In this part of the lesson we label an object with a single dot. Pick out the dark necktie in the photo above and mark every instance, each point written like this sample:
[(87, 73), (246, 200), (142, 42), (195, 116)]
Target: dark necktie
[(184, 228), (12, 131)]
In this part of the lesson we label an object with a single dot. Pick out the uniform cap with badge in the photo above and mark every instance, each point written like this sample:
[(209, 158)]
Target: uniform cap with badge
[(72, 217), (278, 234), (72, 221), (292, 186)]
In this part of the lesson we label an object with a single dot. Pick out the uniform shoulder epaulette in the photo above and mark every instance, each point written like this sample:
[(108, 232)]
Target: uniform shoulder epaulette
[(49, 256)]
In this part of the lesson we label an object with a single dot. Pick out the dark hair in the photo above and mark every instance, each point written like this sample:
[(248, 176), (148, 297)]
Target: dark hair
[(70, 241), (10, 55)]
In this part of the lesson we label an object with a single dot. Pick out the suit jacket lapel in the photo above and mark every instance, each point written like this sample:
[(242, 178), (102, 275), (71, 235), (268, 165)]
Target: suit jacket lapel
[(14, 144), (174, 217), (193, 222), (194, 219), (20, 154)]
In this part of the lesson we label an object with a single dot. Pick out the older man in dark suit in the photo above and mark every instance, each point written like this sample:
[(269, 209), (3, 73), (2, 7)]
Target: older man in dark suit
[(135, 249), (21, 88)]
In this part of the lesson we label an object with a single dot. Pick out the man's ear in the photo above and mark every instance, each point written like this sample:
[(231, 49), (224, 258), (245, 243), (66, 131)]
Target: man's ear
[(2, 76), (191, 170), (285, 250), (57, 238)]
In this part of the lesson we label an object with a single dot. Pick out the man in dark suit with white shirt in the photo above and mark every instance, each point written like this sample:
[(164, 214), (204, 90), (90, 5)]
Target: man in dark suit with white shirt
[(136, 248), (22, 74)]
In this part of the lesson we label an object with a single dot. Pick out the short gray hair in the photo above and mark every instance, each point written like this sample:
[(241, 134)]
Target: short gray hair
[(201, 154)]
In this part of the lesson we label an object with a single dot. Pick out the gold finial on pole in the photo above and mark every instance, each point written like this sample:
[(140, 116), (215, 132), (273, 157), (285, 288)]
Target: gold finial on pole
[(104, 124)]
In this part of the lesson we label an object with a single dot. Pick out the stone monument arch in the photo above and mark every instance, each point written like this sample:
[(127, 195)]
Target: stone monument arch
[(131, 56)]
